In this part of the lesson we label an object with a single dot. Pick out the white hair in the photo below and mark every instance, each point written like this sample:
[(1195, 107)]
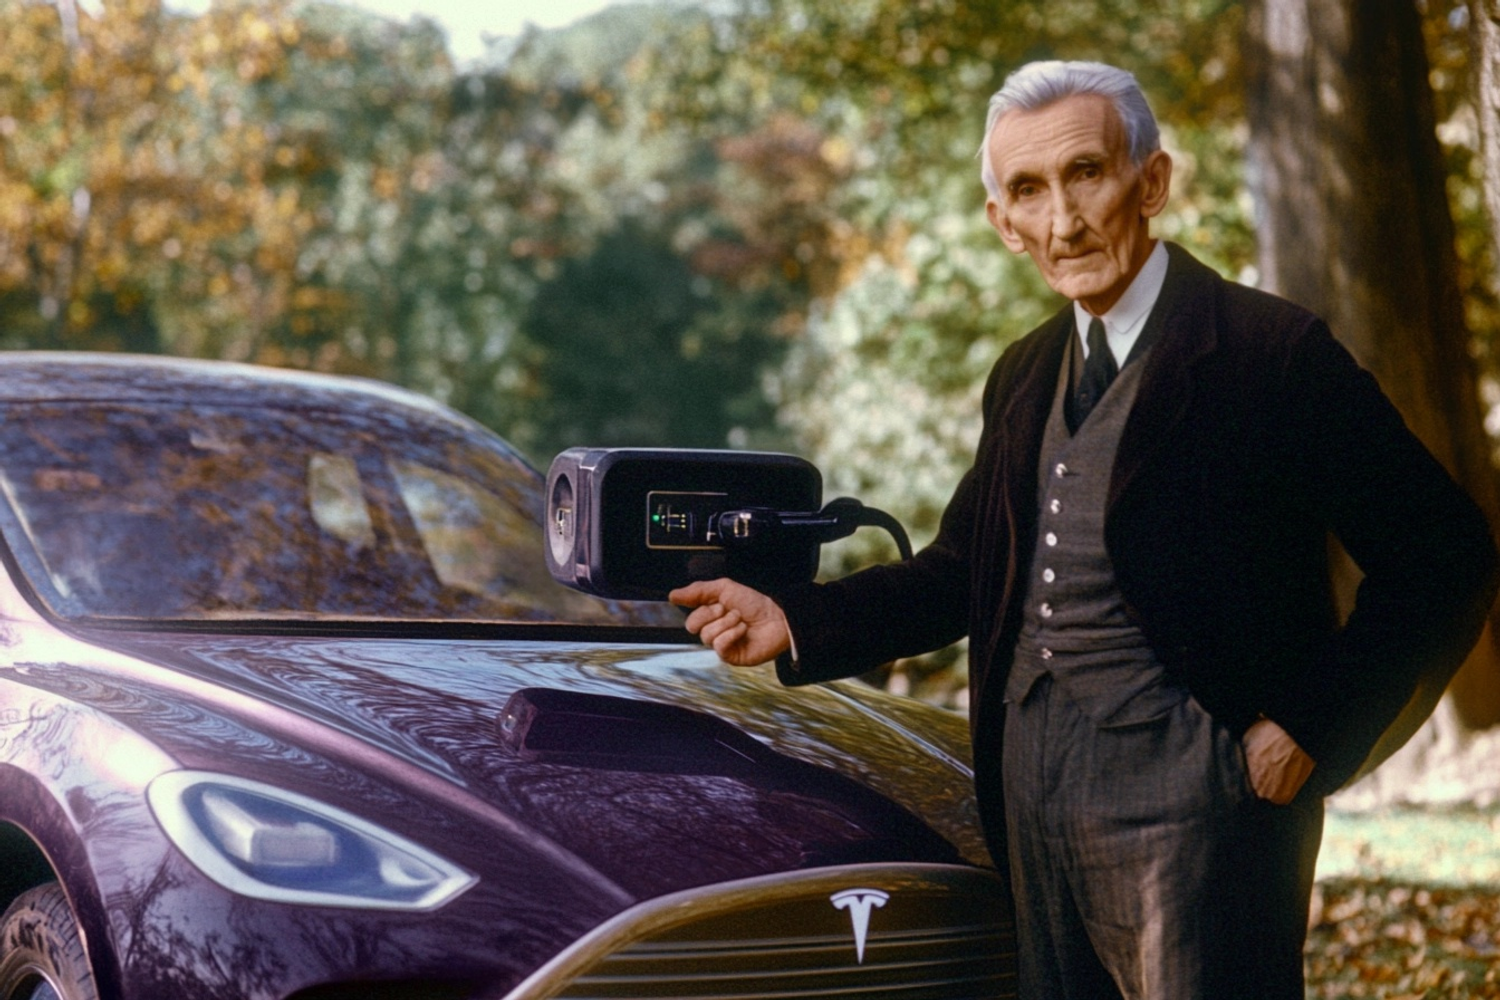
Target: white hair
[(1039, 84)]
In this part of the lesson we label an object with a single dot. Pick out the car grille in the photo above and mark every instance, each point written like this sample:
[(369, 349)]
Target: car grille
[(931, 931)]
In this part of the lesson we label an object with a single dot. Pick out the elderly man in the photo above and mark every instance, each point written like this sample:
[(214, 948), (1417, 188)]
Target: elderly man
[(1161, 690)]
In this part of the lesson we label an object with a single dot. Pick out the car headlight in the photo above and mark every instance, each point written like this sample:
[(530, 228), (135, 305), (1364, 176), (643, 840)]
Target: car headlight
[(261, 841)]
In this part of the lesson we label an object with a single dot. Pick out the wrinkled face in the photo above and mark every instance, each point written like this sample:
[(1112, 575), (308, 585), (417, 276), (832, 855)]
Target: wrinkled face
[(1071, 197)]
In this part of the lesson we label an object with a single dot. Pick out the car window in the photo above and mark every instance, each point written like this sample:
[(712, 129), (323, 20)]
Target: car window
[(173, 511)]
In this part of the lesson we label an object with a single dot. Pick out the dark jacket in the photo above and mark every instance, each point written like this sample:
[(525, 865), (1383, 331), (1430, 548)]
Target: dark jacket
[(1255, 436)]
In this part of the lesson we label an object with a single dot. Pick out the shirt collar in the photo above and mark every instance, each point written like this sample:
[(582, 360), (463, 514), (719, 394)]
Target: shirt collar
[(1125, 319)]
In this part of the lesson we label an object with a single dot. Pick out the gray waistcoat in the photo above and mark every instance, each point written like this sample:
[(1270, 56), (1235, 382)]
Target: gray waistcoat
[(1076, 627)]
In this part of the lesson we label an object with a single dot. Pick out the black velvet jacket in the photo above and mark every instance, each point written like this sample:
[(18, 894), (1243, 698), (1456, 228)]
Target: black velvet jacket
[(1255, 436)]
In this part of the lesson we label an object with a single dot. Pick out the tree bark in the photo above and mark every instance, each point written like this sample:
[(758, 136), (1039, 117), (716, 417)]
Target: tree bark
[(1484, 56), (1354, 223)]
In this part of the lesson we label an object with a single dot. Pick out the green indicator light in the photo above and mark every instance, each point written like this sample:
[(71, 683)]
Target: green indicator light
[(656, 518)]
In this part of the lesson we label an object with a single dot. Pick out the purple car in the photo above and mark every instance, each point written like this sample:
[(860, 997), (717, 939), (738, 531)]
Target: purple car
[(290, 709)]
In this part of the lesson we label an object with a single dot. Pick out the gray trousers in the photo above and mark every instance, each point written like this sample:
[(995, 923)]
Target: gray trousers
[(1143, 865)]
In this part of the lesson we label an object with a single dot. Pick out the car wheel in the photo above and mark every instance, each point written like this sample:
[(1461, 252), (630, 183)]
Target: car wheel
[(41, 951)]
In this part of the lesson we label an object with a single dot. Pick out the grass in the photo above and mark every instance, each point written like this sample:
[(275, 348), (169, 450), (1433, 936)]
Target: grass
[(1451, 846)]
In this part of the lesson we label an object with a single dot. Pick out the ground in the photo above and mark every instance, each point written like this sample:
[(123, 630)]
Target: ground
[(1407, 903)]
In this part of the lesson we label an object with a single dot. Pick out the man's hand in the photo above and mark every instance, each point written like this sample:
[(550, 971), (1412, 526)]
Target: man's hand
[(1278, 766), (744, 626)]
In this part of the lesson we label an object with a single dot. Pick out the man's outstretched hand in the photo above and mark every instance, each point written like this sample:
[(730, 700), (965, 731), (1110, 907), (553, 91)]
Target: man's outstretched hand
[(744, 626)]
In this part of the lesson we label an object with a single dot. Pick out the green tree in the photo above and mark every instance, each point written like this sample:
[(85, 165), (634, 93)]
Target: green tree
[(358, 110), (647, 323), (637, 348)]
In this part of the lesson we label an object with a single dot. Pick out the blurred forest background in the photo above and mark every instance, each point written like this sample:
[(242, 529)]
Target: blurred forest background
[(753, 223)]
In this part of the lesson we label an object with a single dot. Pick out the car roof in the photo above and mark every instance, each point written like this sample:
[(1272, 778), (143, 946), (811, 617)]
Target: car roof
[(55, 376)]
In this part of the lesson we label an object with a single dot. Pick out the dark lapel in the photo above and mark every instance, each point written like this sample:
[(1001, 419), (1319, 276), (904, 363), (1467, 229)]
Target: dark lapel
[(1024, 418), (1007, 525), (1187, 313)]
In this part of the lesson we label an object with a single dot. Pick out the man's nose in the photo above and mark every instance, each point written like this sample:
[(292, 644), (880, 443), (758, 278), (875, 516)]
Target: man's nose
[(1067, 223)]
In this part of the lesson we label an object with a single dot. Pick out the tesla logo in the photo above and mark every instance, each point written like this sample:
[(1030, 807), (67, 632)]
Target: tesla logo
[(859, 903)]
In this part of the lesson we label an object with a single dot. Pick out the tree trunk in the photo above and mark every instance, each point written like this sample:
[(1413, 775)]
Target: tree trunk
[(1354, 223), (1484, 57)]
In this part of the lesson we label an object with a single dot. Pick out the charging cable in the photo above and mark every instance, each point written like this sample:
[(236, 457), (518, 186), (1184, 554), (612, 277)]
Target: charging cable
[(751, 526)]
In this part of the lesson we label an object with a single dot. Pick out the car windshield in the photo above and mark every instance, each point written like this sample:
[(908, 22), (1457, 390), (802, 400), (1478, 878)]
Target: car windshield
[(171, 511)]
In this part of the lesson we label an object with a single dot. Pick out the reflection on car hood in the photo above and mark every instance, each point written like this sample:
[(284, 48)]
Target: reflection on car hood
[(652, 768)]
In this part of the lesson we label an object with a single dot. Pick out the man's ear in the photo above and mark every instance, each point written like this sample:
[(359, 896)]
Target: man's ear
[(998, 219), (1156, 183)]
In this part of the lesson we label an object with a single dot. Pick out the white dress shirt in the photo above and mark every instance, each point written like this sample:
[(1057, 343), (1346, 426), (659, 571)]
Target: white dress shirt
[(1125, 320)]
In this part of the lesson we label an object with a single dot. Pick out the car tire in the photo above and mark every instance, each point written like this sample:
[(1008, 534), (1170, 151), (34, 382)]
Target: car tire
[(41, 951)]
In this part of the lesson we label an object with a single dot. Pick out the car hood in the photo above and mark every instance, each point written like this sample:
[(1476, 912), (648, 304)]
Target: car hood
[(648, 768)]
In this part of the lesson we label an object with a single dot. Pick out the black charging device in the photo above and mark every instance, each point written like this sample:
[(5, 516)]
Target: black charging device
[(634, 523)]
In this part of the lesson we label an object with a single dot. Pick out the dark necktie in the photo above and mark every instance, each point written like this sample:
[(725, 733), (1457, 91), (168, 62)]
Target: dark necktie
[(1098, 372)]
